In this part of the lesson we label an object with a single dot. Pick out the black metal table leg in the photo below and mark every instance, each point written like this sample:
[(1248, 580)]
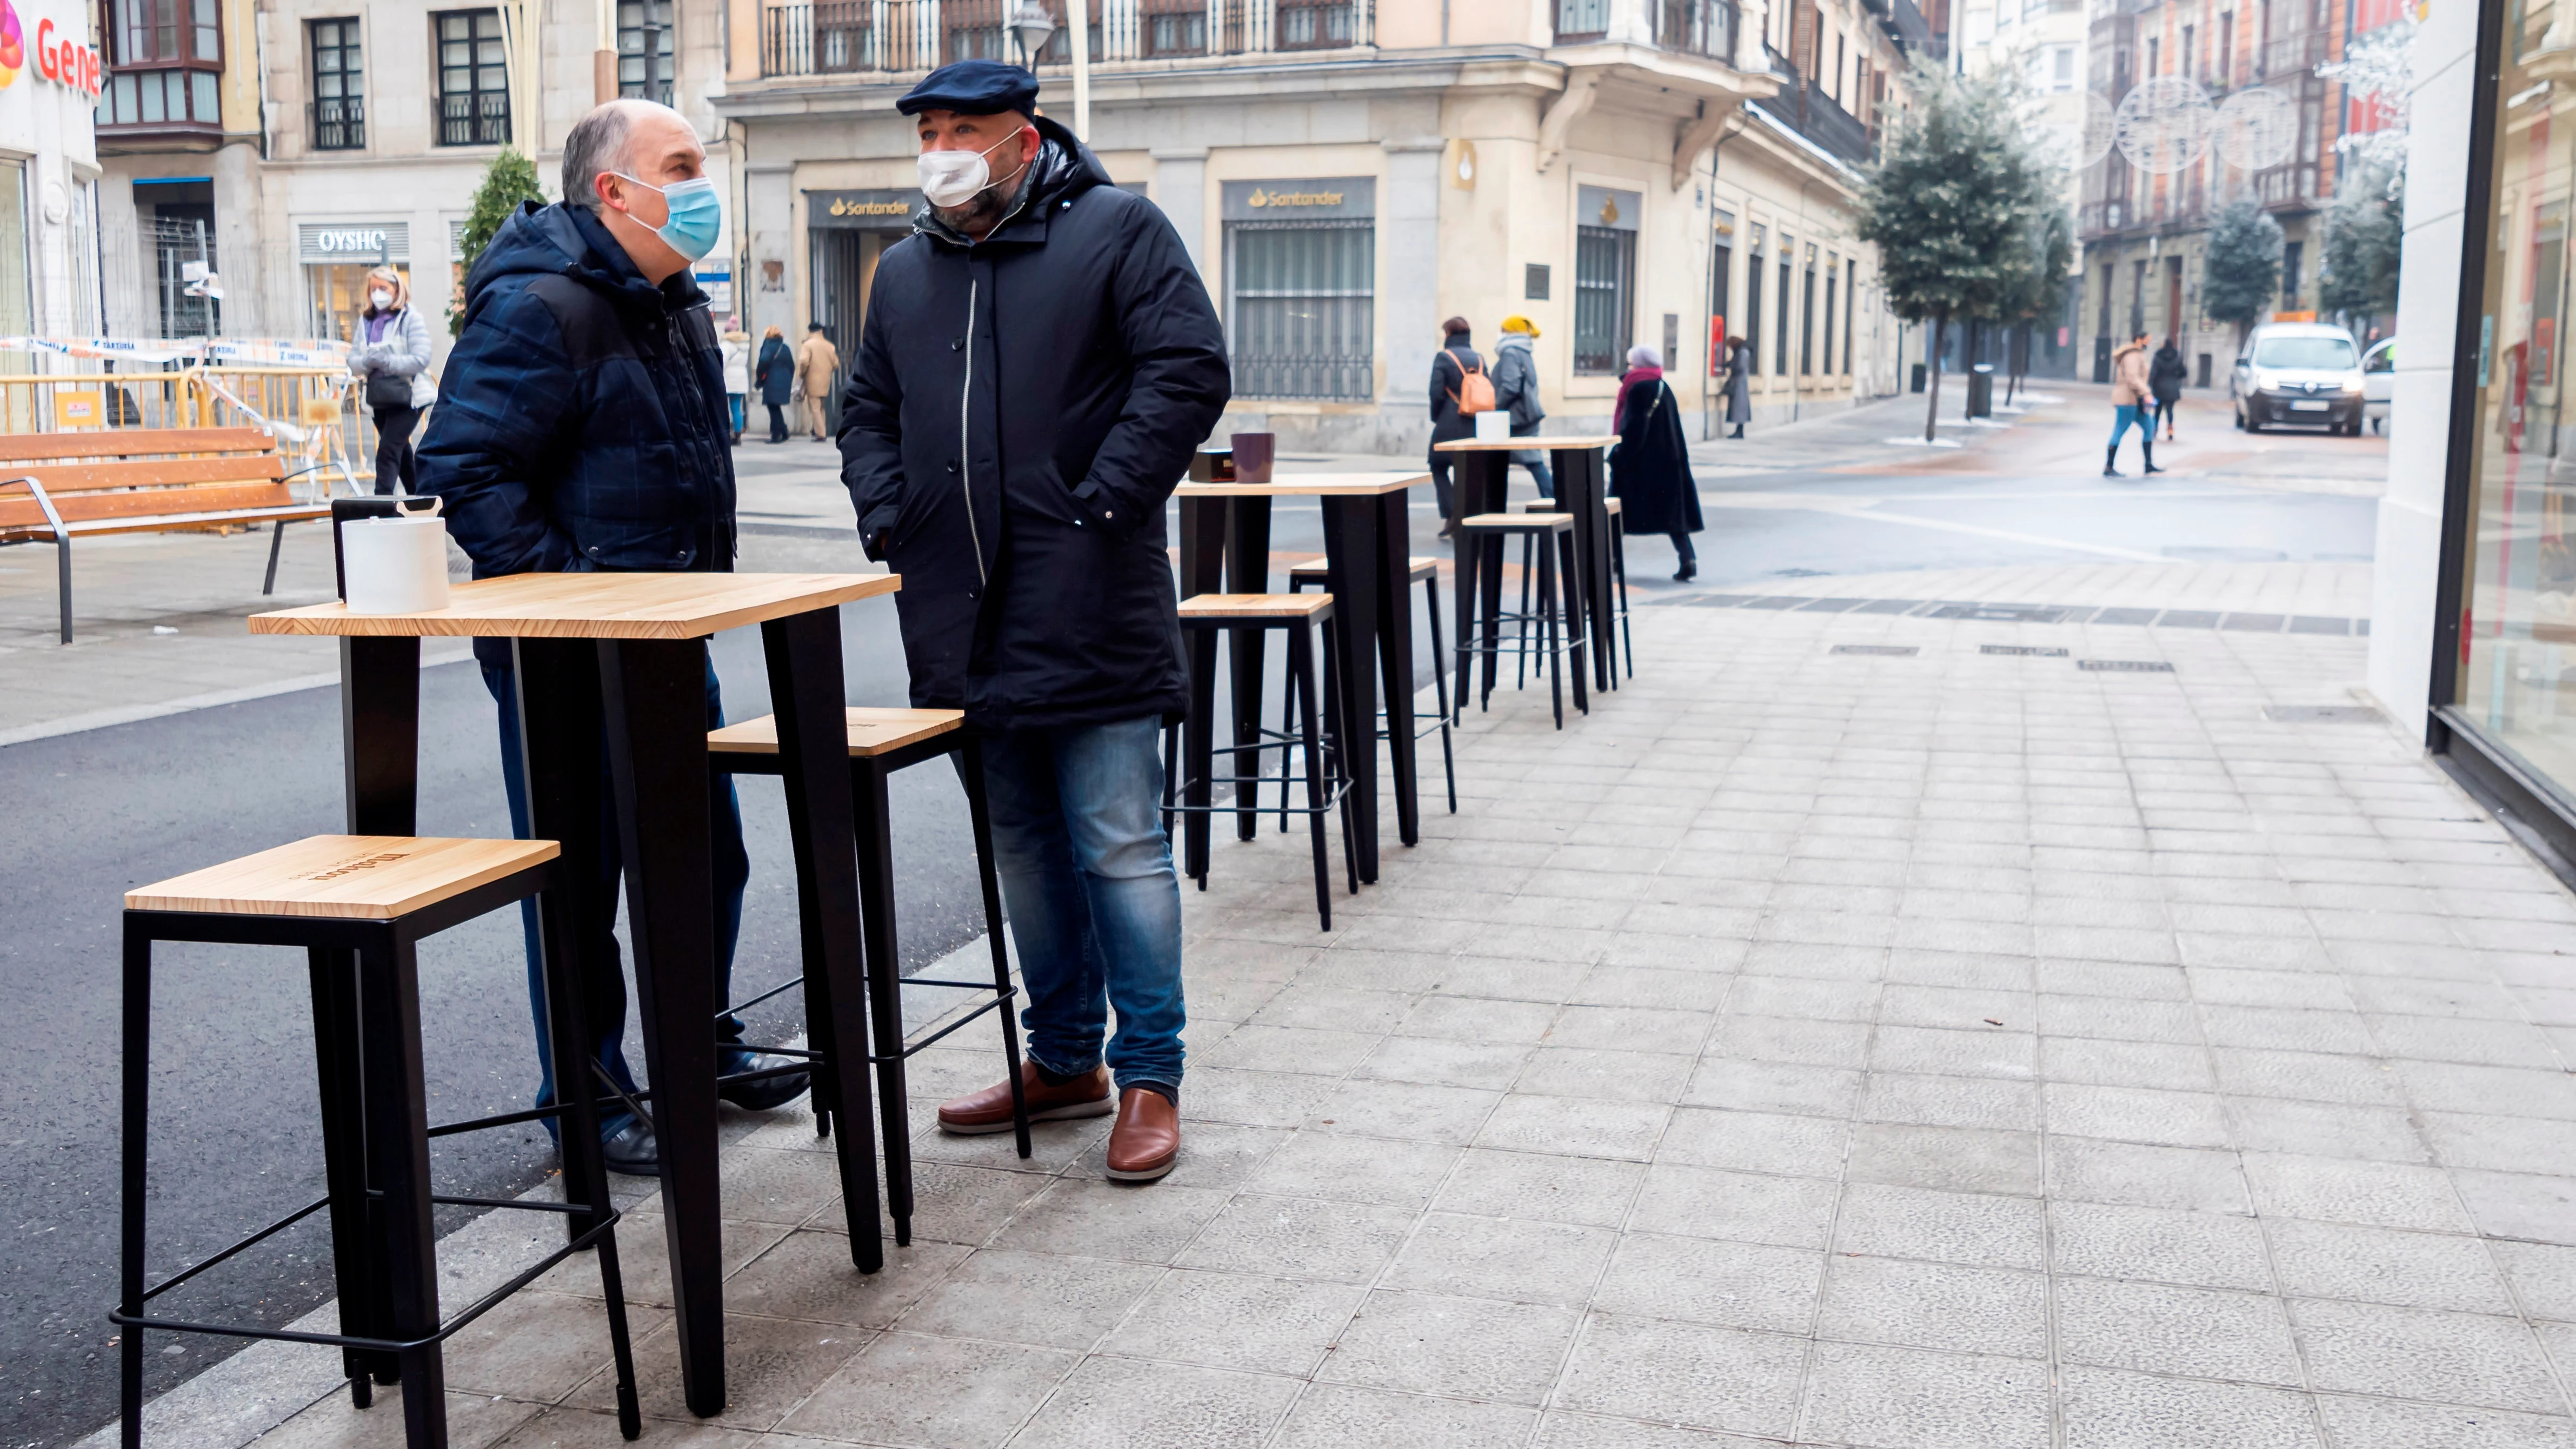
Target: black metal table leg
[(1247, 571), (1352, 568), (380, 732), (1203, 526), (344, 1163), (874, 818), (138, 1117), (806, 694), (398, 1171), (979, 815), (655, 692), (1395, 655), (1586, 499)]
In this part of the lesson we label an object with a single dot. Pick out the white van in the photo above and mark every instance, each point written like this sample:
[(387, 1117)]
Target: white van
[(2305, 374)]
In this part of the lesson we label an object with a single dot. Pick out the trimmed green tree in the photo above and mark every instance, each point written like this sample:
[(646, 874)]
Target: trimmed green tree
[(2037, 286), (2242, 273), (509, 180), (2365, 231), (1949, 204)]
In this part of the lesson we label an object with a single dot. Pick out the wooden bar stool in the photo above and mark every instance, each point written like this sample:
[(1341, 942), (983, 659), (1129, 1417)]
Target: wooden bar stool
[(1426, 571), (1188, 785), (883, 741), (359, 905), (1559, 616)]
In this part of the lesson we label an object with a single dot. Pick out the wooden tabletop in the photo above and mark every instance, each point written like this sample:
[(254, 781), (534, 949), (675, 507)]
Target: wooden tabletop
[(595, 606), (1295, 484), (356, 877), (1514, 445)]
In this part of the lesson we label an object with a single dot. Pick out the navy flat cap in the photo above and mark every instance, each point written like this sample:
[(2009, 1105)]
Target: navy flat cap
[(973, 88)]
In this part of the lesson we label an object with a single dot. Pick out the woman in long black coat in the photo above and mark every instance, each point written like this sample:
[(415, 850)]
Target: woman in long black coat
[(775, 373), (1650, 470)]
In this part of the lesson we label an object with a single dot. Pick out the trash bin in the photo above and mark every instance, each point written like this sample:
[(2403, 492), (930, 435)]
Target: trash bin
[(1918, 377), (1981, 390)]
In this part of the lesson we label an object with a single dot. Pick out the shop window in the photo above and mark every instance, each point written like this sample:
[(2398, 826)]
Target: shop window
[(473, 79), (339, 87), (1605, 282), (644, 49), (1302, 309)]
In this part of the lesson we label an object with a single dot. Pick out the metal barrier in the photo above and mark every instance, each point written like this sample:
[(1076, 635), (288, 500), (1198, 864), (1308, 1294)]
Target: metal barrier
[(317, 414)]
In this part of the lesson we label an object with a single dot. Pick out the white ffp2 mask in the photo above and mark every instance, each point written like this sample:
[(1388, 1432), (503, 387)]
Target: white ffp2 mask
[(953, 178)]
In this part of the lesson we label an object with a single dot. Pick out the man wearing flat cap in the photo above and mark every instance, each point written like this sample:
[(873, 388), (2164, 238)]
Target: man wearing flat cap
[(1039, 362)]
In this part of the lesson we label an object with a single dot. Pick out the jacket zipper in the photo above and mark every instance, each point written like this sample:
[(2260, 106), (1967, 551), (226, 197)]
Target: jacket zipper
[(965, 441)]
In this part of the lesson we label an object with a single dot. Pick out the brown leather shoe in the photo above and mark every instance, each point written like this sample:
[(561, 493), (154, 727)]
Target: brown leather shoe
[(989, 1110), (1147, 1140)]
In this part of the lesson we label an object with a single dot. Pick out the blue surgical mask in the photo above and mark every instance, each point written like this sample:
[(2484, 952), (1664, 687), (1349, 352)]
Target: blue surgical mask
[(697, 214)]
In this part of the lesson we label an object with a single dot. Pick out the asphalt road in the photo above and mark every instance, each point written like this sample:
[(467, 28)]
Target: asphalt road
[(234, 1143)]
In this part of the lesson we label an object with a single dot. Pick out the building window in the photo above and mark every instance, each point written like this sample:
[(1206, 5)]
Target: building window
[(1582, 19), (339, 87), (167, 57), (1174, 27), (1807, 317), (1314, 24), (1753, 308), (644, 49), (1721, 296), (1851, 304), (1780, 336), (1304, 299), (1605, 281), (1832, 267), (2291, 256), (473, 79)]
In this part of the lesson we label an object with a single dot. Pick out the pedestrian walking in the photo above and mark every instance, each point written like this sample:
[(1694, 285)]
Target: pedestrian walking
[(736, 347), (818, 372), (1739, 384), (1459, 390), (2129, 394), (582, 429), (1027, 521), (393, 356), (776, 374), (2165, 378), (1650, 472), (1515, 381)]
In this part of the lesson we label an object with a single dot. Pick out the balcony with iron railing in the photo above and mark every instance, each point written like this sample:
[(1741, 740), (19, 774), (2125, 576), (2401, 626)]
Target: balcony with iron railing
[(339, 124), (1686, 27), (1811, 113), (474, 119), (896, 37)]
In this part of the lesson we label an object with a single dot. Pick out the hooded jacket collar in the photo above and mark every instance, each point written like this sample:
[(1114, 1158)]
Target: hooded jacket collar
[(559, 240), (1063, 170), (1520, 340)]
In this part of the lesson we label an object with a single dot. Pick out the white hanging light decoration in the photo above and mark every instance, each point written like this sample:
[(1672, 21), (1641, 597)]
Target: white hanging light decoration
[(2093, 136), (2164, 124), (2257, 128)]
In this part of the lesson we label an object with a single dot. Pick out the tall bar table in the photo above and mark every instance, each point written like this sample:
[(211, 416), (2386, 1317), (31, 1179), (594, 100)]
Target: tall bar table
[(1582, 488), (627, 653), (1225, 547)]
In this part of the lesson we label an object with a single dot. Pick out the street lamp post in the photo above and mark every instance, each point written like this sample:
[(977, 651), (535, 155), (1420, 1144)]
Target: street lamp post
[(1032, 27)]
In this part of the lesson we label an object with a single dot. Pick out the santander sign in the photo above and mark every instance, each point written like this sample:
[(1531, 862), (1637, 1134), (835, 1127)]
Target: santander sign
[(64, 61)]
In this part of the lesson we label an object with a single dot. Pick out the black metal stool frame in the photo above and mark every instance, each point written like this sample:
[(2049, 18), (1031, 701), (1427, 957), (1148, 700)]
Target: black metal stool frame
[(872, 815), (1439, 686), (1190, 791), (376, 1134), (1560, 606)]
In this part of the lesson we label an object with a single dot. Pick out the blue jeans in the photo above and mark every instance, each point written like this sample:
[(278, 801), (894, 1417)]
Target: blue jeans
[(1094, 903), (603, 979), (734, 400), (2131, 416)]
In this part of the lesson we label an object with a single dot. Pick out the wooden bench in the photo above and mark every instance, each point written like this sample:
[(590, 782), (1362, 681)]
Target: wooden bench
[(142, 480)]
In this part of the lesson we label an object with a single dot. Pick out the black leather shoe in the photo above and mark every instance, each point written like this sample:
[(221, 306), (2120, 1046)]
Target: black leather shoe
[(762, 1093), (632, 1151)]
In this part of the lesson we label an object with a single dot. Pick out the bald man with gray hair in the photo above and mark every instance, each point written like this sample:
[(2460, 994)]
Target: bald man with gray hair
[(582, 427)]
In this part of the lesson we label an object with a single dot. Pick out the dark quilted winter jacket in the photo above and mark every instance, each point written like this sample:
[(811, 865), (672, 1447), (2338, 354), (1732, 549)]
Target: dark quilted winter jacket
[(581, 421)]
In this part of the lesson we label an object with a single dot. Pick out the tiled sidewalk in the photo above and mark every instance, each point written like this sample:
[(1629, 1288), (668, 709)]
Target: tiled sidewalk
[(1946, 1049)]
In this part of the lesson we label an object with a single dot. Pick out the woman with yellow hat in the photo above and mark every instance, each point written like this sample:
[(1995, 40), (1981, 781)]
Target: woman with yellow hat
[(1516, 393)]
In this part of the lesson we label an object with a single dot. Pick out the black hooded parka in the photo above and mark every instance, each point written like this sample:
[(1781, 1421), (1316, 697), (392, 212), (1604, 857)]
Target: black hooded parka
[(1018, 414)]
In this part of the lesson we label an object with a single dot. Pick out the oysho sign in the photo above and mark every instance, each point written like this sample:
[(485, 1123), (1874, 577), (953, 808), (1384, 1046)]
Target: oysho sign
[(352, 244), (60, 59), (350, 239)]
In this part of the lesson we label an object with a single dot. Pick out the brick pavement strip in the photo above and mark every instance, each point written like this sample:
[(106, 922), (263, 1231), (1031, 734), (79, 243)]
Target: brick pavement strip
[(1946, 1049)]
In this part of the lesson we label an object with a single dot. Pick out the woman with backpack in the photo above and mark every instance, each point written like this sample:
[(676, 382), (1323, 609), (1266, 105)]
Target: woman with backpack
[(1459, 390)]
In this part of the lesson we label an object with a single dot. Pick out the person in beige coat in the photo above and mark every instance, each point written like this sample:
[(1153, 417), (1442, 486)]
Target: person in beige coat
[(2129, 394), (818, 372)]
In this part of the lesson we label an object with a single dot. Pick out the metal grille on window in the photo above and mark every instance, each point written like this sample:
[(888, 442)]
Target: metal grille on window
[(1304, 299), (1605, 281), (644, 49), (339, 87), (473, 79)]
